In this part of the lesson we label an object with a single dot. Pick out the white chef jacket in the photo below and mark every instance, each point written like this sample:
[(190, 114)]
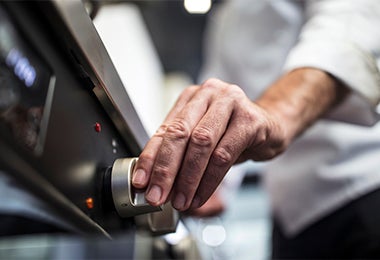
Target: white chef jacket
[(251, 43)]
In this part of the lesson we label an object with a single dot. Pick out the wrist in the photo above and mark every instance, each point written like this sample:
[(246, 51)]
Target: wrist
[(299, 98)]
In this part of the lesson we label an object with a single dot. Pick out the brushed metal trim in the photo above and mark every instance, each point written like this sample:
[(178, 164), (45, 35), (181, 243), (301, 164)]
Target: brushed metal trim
[(123, 193)]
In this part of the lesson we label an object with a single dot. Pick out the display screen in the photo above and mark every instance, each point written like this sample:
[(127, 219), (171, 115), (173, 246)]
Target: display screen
[(25, 80)]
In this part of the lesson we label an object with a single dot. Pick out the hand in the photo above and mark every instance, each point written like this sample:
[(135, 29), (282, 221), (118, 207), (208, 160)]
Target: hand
[(214, 125), (213, 207), (210, 127)]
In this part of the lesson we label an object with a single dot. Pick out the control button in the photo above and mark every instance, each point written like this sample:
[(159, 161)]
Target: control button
[(128, 201), (90, 203), (98, 127)]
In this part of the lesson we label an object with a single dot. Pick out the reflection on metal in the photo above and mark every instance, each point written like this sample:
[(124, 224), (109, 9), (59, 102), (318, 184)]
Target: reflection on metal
[(160, 223), (164, 222), (128, 201)]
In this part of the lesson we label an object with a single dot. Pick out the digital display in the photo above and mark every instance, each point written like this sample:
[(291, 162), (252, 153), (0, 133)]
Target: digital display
[(21, 67), (25, 80)]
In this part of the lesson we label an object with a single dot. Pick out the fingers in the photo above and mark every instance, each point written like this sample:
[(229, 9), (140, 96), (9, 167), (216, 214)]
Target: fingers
[(201, 138), (234, 141), (181, 102), (201, 144), (146, 160), (214, 206), (145, 163), (173, 147)]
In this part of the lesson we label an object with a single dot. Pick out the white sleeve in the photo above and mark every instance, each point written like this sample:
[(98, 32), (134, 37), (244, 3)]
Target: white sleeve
[(342, 37)]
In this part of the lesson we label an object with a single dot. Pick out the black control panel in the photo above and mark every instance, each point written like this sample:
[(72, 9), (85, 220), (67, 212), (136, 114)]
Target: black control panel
[(57, 122)]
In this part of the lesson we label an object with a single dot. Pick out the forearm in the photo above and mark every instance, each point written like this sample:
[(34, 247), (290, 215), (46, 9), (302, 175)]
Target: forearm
[(341, 38), (300, 97)]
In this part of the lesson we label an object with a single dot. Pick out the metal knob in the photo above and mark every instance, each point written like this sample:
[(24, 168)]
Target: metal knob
[(128, 201)]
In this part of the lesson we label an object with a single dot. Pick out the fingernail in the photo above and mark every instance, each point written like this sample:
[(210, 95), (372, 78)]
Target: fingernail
[(154, 194), (180, 201), (139, 177)]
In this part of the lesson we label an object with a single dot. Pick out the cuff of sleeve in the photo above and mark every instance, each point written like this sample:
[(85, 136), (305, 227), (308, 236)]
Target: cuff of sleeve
[(355, 68)]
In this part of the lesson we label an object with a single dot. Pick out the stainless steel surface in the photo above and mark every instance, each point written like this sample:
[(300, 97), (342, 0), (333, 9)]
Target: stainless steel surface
[(164, 222), (97, 64), (128, 202), (159, 223)]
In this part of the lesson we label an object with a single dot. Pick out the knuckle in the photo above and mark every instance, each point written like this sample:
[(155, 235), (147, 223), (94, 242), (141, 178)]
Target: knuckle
[(178, 130), (189, 91), (236, 89), (262, 138), (211, 83), (221, 157), (223, 89), (236, 93), (161, 130), (201, 137)]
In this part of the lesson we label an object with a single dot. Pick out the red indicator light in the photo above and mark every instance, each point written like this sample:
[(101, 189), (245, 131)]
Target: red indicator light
[(98, 127)]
